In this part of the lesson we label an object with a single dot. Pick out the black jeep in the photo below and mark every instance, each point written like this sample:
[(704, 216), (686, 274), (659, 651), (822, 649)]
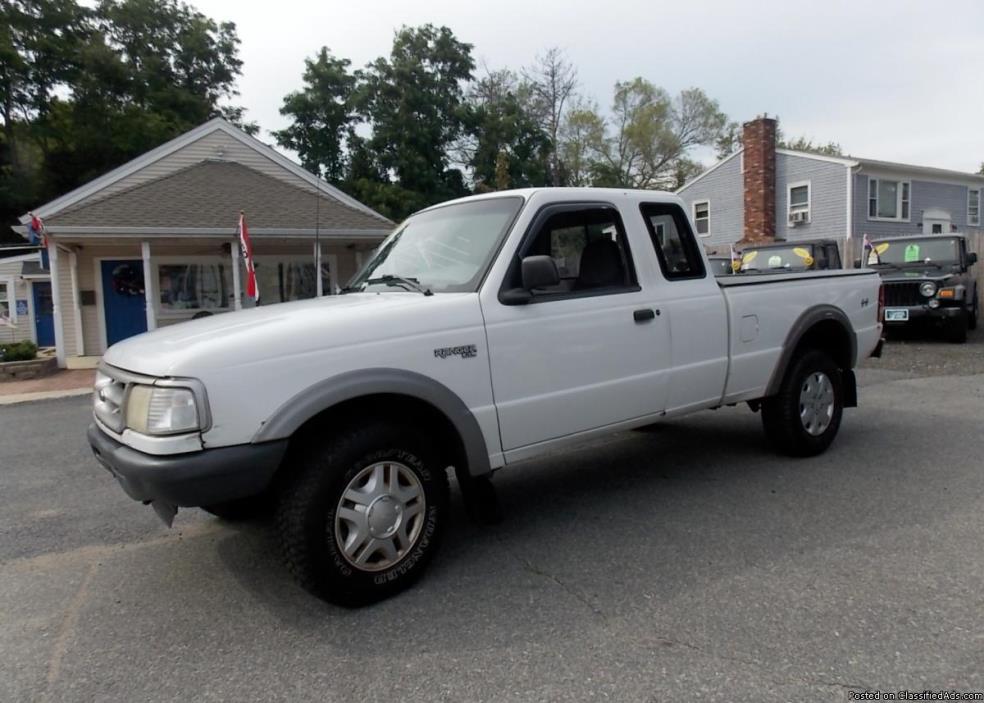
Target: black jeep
[(927, 281)]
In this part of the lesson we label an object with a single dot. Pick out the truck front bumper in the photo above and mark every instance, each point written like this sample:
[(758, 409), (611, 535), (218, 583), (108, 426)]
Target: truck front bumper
[(204, 477), (923, 314)]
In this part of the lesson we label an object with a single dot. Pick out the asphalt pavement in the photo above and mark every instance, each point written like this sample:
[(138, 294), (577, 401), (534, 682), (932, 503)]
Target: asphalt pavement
[(683, 563)]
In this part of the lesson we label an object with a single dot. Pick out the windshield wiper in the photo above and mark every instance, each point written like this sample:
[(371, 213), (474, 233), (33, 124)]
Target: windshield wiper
[(404, 281)]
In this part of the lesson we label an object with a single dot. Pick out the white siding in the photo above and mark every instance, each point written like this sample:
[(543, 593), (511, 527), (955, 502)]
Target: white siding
[(10, 272), (723, 188)]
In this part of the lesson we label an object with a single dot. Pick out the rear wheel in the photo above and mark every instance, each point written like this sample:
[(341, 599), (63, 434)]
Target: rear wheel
[(802, 419), (972, 319), (364, 513)]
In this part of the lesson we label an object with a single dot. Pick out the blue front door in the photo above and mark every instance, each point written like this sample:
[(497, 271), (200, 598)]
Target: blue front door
[(123, 299), (44, 314)]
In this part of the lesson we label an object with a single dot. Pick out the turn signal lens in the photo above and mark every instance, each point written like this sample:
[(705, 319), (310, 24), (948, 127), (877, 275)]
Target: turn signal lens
[(947, 293)]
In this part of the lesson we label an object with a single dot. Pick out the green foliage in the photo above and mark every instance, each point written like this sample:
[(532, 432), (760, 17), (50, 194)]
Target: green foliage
[(806, 144), (18, 351), (89, 89), (505, 144), (322, 114), (729, 142)]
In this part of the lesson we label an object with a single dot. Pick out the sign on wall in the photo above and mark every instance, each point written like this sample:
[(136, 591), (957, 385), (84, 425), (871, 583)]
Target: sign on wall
[(21, 308)]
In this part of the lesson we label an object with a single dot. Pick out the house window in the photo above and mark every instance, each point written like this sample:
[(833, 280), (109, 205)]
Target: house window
[(799, 202), (974, 207), (281, 280), (8, 307), (888, 199), (194, 286), (702, 217)]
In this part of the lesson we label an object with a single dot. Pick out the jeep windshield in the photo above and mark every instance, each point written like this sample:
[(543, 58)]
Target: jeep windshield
[(899, 252), (789, 258), (445, 249)]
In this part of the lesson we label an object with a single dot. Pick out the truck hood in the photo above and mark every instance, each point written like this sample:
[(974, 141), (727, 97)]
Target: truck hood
[(278, 332), (917, 273)]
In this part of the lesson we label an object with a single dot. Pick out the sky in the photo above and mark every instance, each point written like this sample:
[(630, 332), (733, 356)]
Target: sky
[(896, 80)]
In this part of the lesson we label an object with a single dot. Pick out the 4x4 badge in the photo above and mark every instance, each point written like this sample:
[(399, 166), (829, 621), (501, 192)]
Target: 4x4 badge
[(465, 351)]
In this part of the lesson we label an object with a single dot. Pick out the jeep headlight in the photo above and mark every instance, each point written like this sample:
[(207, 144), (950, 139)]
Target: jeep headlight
[(927, 289), (159, 410)]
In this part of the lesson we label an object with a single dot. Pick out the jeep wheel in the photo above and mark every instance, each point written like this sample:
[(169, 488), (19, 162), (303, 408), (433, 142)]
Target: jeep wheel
[(956, 329), (802, 419), (363, 514), (972, 319)]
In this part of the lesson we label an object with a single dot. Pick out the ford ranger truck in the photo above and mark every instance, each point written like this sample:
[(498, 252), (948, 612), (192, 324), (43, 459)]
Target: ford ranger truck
[(481, 333)]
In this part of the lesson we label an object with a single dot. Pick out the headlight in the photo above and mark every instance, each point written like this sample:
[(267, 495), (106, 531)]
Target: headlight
[(928, 289), (157, 411)]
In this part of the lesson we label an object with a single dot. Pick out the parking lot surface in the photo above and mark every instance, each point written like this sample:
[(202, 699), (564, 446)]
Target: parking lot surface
[(687, 562)]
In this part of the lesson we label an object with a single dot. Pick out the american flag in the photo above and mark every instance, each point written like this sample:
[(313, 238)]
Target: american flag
[(868, 248), (36, 233), (247, 249)]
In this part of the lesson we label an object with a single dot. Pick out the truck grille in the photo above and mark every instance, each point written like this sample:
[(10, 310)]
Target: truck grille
[(107, 402), (903, 294)]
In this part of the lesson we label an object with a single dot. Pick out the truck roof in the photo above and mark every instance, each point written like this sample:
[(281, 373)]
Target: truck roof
[(565, 193)]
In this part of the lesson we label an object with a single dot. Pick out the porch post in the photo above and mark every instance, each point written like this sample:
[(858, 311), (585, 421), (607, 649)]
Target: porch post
[(150, 287), (73, 261), (56, 301), (318, 286), (237, 294)]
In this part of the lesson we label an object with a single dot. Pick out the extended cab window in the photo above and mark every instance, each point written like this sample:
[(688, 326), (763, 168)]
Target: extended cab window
[(589, 247), (673, 241)]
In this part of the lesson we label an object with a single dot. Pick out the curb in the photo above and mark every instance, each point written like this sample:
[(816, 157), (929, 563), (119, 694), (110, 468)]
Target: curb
[(17, 398)]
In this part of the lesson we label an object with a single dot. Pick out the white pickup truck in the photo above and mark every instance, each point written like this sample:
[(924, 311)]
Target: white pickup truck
[(481, 333)]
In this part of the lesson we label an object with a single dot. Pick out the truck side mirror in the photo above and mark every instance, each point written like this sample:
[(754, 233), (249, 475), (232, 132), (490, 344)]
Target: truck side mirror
[(971, 258), (539, 272), (536, 272)]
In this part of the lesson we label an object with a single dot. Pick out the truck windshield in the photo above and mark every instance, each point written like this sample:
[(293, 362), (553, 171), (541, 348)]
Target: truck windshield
[(917, 251), (446, 249), (788, 258)]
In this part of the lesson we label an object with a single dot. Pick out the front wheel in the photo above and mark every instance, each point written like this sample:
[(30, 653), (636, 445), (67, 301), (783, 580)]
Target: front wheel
[(956, 329), (802, 419), (363, 514)]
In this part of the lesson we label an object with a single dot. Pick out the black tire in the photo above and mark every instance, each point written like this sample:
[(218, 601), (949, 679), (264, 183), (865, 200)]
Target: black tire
[(241, 510), (972, 318), (781, 413), (956, 329), (307, 505)]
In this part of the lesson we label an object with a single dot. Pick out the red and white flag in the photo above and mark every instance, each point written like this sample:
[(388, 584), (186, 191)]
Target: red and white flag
[(247, 249)]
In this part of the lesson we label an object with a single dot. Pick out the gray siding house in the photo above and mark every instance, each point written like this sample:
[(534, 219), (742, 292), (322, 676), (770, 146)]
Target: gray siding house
[(812, 196)]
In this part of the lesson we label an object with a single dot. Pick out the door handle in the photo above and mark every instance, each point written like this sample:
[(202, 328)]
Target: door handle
[(644, 315)]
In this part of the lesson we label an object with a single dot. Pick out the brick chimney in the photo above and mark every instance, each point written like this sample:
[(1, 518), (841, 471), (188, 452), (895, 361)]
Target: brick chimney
[(759, 141)]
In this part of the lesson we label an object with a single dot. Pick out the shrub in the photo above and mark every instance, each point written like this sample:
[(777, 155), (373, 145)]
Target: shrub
[(18, 351)]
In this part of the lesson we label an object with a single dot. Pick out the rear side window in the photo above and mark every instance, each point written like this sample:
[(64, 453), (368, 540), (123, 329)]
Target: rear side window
[(676, 248)]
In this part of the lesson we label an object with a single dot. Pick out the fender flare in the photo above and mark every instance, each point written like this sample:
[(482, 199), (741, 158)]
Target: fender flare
[(803, 324), (291, 415)]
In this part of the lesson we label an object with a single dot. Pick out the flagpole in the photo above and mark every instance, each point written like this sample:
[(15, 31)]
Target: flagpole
[(318, 284)]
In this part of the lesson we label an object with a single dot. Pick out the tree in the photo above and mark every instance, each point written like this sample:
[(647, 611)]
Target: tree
[(413, 102), (981, 171), (654, 132), (552, 81), (581, 142), (322, 115), (503, 141), (730, 141), (807, 144)]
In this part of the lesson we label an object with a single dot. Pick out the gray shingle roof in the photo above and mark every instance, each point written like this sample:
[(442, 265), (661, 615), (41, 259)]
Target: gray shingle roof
[(210, 194)]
